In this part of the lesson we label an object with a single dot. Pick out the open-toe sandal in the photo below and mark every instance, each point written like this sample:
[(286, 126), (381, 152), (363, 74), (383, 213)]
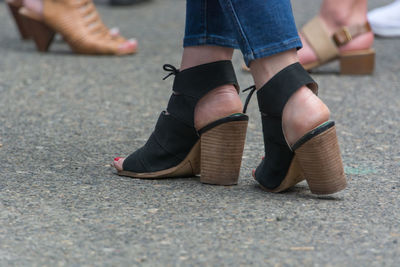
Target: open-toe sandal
[(326, 47), (314, 157), (79, 24), (177, 149)]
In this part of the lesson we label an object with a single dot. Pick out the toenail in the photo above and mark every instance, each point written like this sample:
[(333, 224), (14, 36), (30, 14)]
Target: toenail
[(117, 159), (132, 40)]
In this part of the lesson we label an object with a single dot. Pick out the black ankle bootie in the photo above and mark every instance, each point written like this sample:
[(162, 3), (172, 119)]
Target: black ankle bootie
[(176, 149), (315, 157)]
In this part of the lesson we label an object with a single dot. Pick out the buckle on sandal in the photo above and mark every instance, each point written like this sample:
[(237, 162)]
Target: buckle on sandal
[(342, 37)]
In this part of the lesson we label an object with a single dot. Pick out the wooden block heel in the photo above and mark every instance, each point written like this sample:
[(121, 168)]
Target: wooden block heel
[(320, 160), (40, 32), (221, 153), (18, 20), (315, 156), (357, 62)]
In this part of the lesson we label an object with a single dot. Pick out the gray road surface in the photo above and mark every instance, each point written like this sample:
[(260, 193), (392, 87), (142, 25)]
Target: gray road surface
[(63, 118)]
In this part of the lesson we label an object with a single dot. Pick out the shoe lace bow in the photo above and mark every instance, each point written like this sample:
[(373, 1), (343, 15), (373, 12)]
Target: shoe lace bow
[(171, 69)]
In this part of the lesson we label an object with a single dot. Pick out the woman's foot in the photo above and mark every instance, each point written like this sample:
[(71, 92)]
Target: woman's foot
[(335, 15), (35, 6), (124, 46), (218, 103)]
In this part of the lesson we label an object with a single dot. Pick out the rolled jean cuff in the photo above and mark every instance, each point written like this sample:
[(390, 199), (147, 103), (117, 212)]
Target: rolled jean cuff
[(294, 43), (209, 40)]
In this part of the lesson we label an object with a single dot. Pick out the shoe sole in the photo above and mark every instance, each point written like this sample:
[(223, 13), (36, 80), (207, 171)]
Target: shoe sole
[(217, 157)]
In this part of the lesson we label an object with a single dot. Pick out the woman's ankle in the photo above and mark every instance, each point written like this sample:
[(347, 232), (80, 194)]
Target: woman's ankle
[(197, 55), (339, 13), (303, 112), (218, 103), (263, 69), (35, 6)]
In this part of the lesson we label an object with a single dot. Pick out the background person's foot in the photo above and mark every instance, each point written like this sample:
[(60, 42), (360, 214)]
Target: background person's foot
[(125, 2), (385, 21)]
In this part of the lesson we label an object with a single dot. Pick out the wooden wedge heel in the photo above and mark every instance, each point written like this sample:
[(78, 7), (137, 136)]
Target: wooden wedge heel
[(314, 157), (357, 62), (177, 149), (79, 24), (326, 47), (41, 34), (222, 151), (14, 6), (217, 156), (319, 158)]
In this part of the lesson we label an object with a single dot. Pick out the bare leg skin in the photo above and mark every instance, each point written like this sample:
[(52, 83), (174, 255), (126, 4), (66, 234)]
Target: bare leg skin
[(304, 110)]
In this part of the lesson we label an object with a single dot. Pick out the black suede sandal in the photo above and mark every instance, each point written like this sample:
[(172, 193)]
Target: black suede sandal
[(314, 157), (176, 149)]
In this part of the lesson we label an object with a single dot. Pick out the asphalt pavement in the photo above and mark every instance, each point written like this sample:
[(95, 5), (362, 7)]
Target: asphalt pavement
[(64, 117)]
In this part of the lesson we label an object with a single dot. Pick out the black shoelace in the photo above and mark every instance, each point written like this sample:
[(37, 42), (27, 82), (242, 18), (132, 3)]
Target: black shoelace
[(172, 70), (253, 89)]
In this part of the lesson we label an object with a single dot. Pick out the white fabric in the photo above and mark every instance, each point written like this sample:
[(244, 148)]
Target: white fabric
[(385, 21)]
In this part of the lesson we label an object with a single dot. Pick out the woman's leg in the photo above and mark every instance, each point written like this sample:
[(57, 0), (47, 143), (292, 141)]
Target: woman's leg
[(223, 100), (304, 110), (269, 51), (289, 109), (208, 38), (336, 14)]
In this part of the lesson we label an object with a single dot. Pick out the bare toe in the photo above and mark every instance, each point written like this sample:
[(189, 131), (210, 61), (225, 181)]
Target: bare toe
[(118, 163), (128, 47)]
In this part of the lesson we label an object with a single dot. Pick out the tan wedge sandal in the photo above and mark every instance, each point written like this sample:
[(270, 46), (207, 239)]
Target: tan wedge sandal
[(327, 47), (79, 24), (315, 157)]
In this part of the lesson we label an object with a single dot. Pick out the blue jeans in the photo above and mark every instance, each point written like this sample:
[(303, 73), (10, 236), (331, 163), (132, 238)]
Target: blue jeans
[(260, 28)]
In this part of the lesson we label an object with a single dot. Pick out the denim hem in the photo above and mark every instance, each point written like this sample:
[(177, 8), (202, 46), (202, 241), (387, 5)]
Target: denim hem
[(272, 49), (209, 40)]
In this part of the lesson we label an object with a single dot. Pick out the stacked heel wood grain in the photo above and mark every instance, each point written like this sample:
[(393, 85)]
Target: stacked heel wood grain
[(322, 164), (221, 153), (357, 62)]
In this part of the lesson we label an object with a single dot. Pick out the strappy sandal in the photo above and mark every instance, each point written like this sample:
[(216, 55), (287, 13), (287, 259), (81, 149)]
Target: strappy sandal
[(314, 157), (327, 47), (177, 149), (79, 24), (14, 6)]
